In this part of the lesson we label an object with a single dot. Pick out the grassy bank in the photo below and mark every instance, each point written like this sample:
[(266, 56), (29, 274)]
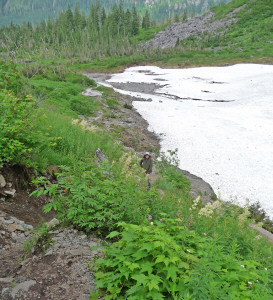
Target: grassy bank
[(164, 244), (171, 243)]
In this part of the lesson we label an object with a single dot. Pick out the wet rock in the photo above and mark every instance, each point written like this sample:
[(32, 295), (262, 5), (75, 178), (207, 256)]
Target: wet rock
[(2, 181)]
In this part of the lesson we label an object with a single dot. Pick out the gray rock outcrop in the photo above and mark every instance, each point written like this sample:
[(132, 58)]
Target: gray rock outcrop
[(2, 181), (194, 26)]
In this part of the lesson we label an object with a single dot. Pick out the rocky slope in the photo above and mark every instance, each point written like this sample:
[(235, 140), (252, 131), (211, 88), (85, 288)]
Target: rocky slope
[(197, 25)]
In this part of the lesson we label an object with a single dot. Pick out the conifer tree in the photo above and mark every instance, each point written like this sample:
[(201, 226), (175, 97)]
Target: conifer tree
[(176, 18), (135, 21), (77, 17), (185, 15), (146, 23), (69, 22)]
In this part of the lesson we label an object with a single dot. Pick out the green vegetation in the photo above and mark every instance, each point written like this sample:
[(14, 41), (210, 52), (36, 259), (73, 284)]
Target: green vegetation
[(19, 11), (165, 259), (41, 240), (109, 41), (166, 245), (20, 126)]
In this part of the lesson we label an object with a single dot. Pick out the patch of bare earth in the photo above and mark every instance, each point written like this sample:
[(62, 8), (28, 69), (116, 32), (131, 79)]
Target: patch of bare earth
[(58, 267)]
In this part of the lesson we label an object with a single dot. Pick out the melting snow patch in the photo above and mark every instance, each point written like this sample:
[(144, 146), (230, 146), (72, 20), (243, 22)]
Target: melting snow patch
[(228, 140)]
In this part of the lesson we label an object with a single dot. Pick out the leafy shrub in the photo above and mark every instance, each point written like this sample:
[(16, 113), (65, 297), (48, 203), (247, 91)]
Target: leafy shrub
[(112, 102), (10, 78), (165, 260), (128, 106), (259, 215), (168, 167), (93, 196), (19, 135), (83, 106)]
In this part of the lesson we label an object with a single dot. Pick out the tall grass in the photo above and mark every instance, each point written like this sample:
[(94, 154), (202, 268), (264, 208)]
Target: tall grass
[(73, 143)]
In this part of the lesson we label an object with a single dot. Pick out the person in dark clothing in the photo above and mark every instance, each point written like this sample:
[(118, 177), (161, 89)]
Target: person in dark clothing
[(147, 164)]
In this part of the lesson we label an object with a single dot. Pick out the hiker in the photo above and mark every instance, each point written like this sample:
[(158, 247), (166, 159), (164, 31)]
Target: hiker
[(147, 164)]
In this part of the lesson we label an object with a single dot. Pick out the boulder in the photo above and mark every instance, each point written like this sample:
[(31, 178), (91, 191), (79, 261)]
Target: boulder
[(100, 155), (10, 192), (52, 223), (92, 93), (2, 181), (14, 227), (130, 120)]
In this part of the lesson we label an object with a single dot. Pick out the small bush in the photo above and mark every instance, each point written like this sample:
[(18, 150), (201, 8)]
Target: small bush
[(165, 260), (19, 134), (83, 107), (112, 102), (128, 106), (91, 196)]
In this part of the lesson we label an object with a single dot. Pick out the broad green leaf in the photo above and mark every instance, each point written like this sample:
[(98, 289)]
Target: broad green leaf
[(147, 266), (172, 272), (160, 258), (113, 234), (153, 284), (141, 279)]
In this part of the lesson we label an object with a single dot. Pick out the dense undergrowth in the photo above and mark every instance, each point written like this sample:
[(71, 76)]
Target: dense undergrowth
[(166, 245)]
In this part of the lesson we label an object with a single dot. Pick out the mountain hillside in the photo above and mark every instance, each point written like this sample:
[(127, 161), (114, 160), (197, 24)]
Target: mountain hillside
[(239, 26), (19, 11)]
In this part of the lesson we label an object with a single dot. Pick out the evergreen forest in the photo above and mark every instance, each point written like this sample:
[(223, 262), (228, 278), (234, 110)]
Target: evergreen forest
[(19, 11)]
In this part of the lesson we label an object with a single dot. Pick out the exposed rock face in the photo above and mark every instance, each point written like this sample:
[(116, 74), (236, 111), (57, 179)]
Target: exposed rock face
[(62, 272), (194, 26), (92, 93), (100, 155)]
